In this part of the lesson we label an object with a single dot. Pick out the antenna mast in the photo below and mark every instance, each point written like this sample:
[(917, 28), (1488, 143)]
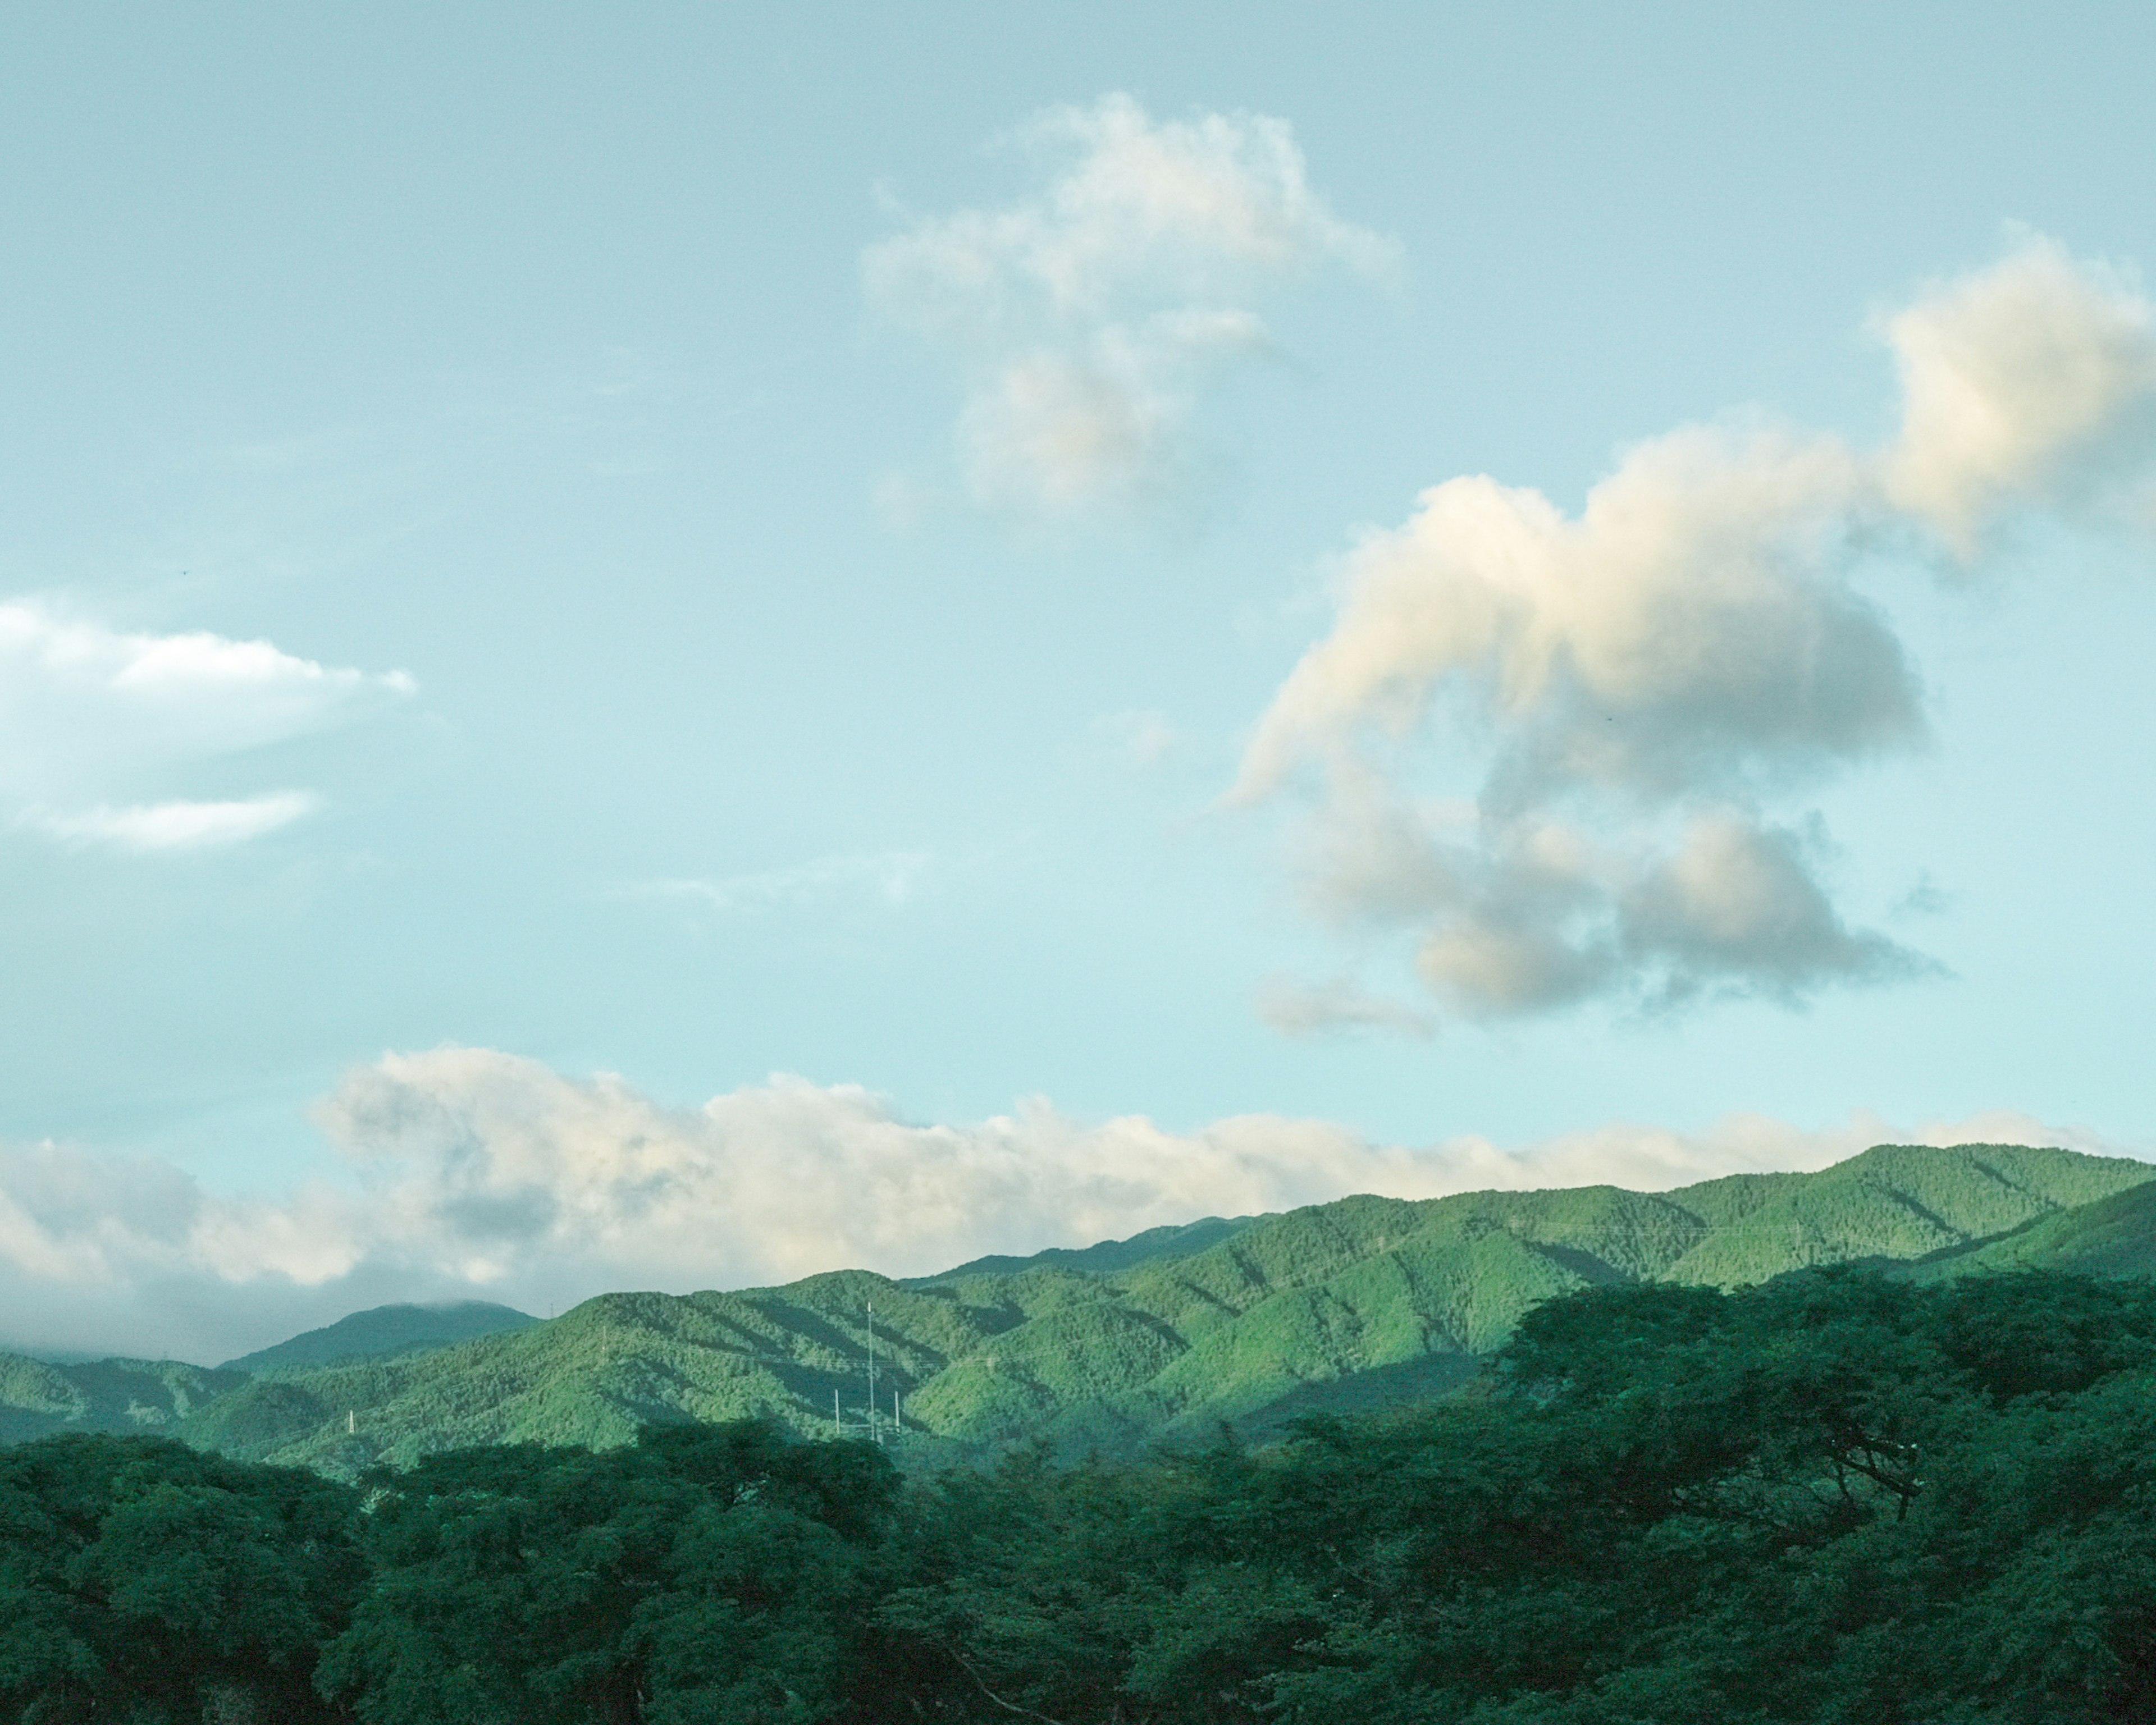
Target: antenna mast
[(875, 1435)]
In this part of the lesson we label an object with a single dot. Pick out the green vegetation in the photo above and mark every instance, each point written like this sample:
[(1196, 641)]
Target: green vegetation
[(1258, 1321), (385, 1331), (143, 1395), (1156, 1246), (1842, 1496), (143, 1581)]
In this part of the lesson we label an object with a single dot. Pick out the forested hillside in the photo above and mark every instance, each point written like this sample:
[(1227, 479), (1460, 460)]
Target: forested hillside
[(37, 1397), (1359, 1304), (385, 1330), (1841, 1496)]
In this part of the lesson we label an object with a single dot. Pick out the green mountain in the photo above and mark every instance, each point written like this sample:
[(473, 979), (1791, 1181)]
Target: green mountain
[(2114, 1236), (124, 1395), (1156, 1246), (385, 1330), (1254, 1320)]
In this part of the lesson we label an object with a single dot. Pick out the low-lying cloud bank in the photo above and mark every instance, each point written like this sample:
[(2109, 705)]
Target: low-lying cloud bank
[(1640, 688), (482, 1174)]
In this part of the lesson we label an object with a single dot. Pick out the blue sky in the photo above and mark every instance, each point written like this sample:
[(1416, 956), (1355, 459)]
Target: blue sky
[(766, 552)]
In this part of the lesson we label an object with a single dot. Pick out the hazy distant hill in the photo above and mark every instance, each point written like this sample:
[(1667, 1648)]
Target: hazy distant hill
[(1337, 1305), (385, 1330), (131, 1395), (125, 1395)]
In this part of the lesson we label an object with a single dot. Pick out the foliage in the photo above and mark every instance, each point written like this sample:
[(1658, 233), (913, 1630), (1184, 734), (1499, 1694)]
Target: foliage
[(704, 1573), (140, 1580), (1838, 1496)]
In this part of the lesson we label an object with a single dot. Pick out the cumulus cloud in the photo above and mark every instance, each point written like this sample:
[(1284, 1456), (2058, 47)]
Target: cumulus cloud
[(2034, 381), (1695, 625), (1088, 319), (480, 1174), (87, 712), (1638, 686)]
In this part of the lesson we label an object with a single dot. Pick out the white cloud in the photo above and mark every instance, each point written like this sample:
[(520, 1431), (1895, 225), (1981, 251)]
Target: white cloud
[(2032, 381), (1089, 319), (91, 717), (77, 697), (1694, 625), (1637, 686), (486, 1175), (178, 826)]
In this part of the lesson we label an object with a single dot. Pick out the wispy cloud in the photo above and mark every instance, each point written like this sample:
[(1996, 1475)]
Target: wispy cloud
[(1311, 1010), (1652, 677), (1089, 319), (1136, 736), (91, 716), (888, 877), (178, 825), (484, 1172), (2032, 382)]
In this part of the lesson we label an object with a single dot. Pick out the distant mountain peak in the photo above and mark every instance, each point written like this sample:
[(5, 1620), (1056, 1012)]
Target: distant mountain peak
[(386, 1332)]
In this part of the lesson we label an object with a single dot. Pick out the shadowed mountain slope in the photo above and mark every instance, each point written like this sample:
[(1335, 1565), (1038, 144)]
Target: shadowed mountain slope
[(1253, 1321), (150, 1396), (2113, 1236)]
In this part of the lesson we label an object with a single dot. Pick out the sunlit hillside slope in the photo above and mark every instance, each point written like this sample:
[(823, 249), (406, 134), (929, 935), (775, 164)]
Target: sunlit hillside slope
[(1255, 1321)]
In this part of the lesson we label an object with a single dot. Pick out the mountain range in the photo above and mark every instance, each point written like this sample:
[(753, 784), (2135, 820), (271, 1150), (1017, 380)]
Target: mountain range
[(1251, 1320)]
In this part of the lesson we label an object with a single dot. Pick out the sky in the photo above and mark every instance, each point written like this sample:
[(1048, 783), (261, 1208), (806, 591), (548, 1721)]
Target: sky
[(675, 646)]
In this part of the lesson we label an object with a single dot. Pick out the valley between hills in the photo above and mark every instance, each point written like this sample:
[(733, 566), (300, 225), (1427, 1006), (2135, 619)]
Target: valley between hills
[(1254, 1321)]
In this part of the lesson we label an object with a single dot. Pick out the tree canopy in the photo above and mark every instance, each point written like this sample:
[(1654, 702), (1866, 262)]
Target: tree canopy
[(1832, 1497)]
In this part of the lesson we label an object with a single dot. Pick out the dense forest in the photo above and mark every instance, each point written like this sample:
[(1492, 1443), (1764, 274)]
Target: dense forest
[(1838, 1495)]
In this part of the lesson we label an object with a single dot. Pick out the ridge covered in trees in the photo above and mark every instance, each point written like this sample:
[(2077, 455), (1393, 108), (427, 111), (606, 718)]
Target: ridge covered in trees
[(1353, 1305), (1840, 1496), (385, 1331)]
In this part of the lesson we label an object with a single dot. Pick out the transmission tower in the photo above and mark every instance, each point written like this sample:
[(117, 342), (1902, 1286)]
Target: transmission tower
[(875, 1432), (873, 1425)]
